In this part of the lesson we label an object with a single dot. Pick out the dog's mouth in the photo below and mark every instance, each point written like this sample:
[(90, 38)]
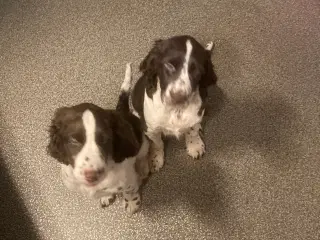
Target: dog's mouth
[(94, 182), (90, 184)]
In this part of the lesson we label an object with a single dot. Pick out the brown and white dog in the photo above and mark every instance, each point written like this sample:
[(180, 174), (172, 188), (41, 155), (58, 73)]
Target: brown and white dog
[(169, 96), (102, 152)]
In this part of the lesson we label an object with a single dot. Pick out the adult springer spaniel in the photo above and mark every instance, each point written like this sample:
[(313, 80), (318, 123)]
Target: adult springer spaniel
[(102, 152), (169, 96)]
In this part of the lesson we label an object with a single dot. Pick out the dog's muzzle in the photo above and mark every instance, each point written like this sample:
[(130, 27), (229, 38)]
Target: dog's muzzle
[(178, 97)]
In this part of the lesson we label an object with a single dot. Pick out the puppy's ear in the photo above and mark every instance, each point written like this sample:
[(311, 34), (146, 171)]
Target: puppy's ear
[(149, 62), (56, 148), (150, 65), (209, 78), (126, 142)]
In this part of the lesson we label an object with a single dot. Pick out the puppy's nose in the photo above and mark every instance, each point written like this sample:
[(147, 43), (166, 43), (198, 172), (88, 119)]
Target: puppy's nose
[(92, 175), (178, 97)]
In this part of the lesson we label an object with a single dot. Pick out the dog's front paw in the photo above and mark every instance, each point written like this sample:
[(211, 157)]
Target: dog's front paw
[(209, 46), (132, 205), (107, 201), (195, 147), (157, 160)]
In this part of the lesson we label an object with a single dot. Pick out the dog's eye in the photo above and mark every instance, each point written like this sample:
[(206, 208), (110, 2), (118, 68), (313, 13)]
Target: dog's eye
[(73, 141), (170, 67), (192, 67), (102, 139)]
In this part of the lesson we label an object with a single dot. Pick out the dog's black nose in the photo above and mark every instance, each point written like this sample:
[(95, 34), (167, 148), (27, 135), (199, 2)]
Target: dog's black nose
[(178, 97)]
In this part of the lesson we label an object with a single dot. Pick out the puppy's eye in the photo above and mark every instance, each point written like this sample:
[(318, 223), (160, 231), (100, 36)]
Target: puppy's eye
[(170, 67), (192, 67), (102, 139), (73, 141)]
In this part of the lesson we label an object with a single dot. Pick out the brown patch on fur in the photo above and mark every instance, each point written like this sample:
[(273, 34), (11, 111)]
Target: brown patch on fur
[(66, 135), (118, 134)]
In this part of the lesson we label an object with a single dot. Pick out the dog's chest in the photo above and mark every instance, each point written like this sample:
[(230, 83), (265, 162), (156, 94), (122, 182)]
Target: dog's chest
[(171, 120), (119, 179)]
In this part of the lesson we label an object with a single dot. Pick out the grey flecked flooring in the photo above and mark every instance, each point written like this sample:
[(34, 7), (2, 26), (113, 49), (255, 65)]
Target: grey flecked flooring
[(260, 176)]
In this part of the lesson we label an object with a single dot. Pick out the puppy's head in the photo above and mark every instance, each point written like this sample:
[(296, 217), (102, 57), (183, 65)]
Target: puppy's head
[(87, 138), (182, 65)]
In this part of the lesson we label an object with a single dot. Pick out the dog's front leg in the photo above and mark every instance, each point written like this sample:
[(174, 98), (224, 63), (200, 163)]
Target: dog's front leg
[(194, 143), (156, 151), (131, 201)]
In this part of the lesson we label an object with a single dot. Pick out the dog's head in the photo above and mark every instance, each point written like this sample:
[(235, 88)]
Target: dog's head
[(88, 138), (182, 66)]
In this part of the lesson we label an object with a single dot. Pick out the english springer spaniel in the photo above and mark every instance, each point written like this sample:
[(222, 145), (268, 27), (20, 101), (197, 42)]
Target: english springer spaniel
[(169, 96), (102, 152)]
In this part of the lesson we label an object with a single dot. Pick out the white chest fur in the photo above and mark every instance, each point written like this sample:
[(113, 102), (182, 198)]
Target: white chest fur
[(171, 120)]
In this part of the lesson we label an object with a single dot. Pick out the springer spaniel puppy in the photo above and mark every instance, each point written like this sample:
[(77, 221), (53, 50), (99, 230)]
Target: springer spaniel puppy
[(102, 152), (169, 96)]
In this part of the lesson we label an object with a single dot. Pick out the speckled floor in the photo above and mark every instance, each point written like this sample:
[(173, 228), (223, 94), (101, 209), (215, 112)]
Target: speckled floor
[(260, 177)]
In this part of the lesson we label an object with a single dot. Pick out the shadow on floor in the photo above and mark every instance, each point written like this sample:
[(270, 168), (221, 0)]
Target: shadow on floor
[(198, 185), (267, 125), (15, 220)]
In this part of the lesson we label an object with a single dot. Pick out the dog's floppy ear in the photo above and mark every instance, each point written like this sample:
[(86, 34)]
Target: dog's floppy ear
[(56, 148), (150, 65), (149, 62), (126, 142), (209, 78)]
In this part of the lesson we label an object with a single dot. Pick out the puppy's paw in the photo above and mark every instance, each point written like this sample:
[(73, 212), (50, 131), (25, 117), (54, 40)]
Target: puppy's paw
[(132, 205), (107, 201), (157, 160), (195, 147), (209, 46)]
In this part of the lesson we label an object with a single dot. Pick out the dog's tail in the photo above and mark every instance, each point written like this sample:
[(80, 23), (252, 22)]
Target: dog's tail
[(123, 100)]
